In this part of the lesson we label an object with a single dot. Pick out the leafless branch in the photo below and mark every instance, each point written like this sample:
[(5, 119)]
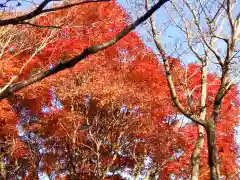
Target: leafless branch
[(40, 10), (169, 74)]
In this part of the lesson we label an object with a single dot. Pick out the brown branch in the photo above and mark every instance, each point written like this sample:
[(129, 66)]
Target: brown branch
[(197, 23), (216, 14), (40, 10), (39, 26), (230, 17), (88, 51), (169, 75)]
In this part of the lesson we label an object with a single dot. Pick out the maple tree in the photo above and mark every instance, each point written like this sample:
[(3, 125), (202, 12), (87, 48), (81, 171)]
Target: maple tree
[(27, 104), (108, 114), (71, 62)]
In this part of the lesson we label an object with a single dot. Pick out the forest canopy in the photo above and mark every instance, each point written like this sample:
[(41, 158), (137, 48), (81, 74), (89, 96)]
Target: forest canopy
[(84, 96)]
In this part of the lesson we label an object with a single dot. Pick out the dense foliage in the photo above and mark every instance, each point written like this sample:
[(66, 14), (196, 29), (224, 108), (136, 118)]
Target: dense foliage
[(111, 114)]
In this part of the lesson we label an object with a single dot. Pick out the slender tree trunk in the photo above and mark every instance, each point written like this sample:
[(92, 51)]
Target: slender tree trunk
[(195, 159), (114, 157), (2, 169), (72, 166), (148, 174), (211, 133), (137, 170), (212, 152)]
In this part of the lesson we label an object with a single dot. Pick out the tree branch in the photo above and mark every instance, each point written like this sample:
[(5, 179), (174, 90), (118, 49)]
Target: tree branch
[(197, 23), (169, 75), (40, 10), (39, 26), (88, 51)]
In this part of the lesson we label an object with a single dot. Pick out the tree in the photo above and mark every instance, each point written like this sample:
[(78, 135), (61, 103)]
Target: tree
[(46, 133), (105, 114), (226, 136), (206, 33), (69, 63)]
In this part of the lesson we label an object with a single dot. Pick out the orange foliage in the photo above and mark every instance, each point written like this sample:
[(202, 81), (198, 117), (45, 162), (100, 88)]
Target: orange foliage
[(108, 113)]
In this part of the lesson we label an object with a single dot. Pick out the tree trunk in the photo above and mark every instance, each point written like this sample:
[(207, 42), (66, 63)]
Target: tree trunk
[(148, 174), (212, 152), (2, 169), (195, 159), (137, 170)]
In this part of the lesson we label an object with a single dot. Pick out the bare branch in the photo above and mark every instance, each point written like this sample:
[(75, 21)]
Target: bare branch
[(197, 23), (15, 78), (169, 75), (40, 10), (222, 38), (39, 26), (229, 13)]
